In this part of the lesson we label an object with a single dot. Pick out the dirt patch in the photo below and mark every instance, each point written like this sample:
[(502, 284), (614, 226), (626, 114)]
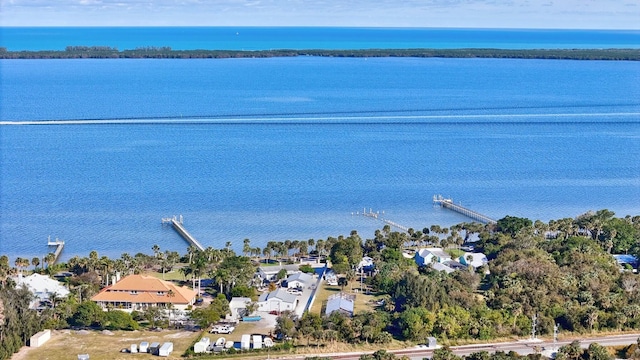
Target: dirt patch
[(22, 354), (67, 344)]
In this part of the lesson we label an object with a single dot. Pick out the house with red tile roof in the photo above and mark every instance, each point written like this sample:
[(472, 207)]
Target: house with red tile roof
[(138, 292)]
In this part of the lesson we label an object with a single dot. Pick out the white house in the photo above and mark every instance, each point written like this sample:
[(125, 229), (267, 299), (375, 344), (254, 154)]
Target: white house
[(299, 280), (330, 277), (340, 302), (42, 287), (475, 260), (238, 306), (278, 300), (427, 256), (366, 264), (270, 273), (441, 267)]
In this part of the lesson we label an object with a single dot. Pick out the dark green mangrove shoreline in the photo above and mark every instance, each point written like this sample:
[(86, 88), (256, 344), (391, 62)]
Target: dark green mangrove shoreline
[(102, 52)]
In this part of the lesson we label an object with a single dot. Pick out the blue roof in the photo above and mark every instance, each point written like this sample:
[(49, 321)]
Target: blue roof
[(626, 259)]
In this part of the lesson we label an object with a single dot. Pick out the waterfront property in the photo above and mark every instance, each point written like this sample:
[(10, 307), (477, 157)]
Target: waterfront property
[(270, 273), (44, 289), (475, 260), (138, 292), (427, 256)]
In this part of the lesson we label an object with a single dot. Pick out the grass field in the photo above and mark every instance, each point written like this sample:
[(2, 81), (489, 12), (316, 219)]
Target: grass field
[(67, 344), (173, 275), (363, 302)]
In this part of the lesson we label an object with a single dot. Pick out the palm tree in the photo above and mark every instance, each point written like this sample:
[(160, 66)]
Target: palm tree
[(267, 252), (49, 259), (92, 264), (303, 248), (320, 247), (35, 262), (170, 295), (18, 263), (246, 248), (106, 266)]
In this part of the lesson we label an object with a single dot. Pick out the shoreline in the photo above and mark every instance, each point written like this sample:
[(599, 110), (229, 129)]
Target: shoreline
[(99, 52)]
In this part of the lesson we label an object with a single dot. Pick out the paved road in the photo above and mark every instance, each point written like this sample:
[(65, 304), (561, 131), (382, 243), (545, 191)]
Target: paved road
[(523, 347)]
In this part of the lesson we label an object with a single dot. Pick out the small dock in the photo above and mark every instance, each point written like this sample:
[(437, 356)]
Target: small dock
[(59, 244), (376, 216), (448, 204), (179, 227)]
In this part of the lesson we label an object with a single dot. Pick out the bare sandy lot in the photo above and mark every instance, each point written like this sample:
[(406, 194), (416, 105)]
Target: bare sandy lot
[(67, 344)]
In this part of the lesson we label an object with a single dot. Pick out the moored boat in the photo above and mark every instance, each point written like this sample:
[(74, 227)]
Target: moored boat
[(221, 342)]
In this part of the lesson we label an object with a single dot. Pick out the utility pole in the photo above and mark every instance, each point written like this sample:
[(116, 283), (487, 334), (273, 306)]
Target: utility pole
[(555, 337)]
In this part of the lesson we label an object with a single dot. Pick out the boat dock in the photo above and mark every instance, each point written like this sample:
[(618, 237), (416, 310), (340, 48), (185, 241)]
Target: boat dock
[(448, 204), (376, 216), (59, 244), (179, 227)]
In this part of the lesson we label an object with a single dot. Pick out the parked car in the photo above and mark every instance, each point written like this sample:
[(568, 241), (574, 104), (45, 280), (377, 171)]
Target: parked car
[(222, 329)]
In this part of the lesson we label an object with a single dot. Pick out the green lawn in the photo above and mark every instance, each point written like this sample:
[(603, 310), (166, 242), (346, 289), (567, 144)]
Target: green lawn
[(173, 275), (363, 302)]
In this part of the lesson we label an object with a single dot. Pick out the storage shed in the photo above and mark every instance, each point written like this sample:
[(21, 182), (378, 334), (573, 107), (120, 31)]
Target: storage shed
[(40, 338), (202, 345), (257, 341), (165, 349), (431, 342), (154, 347), (245, 342)]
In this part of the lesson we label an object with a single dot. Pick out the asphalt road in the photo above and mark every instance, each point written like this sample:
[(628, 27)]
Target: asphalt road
[(522, 347)]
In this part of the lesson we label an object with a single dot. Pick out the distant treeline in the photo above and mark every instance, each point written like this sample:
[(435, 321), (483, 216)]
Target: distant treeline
[(105, 52)]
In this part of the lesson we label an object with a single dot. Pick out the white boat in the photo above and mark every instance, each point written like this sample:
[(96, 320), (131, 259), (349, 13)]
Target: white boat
[(229, 344), (221, 342), (267, 342)]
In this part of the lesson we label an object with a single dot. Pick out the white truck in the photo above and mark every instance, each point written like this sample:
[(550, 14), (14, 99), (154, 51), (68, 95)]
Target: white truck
[(222, 329)]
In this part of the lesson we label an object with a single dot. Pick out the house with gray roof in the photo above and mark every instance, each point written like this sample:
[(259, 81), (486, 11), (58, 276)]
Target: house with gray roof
[(299, 280), (278, 300), (340, 302), (428, 256), (270, 273)]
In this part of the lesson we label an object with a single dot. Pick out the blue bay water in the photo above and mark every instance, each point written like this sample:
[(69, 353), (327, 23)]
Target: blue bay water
[(289, 148), (266, 38)]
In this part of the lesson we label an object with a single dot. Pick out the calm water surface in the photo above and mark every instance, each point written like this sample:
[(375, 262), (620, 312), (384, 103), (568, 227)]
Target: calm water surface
[(289, 148)]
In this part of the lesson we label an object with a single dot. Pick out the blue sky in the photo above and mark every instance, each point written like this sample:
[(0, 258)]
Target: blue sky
[(564, 14)]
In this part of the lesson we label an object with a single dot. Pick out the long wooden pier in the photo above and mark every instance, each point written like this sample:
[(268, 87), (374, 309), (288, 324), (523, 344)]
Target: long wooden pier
[(448, 204), (59, 244), (376, 216), (179, 227)]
